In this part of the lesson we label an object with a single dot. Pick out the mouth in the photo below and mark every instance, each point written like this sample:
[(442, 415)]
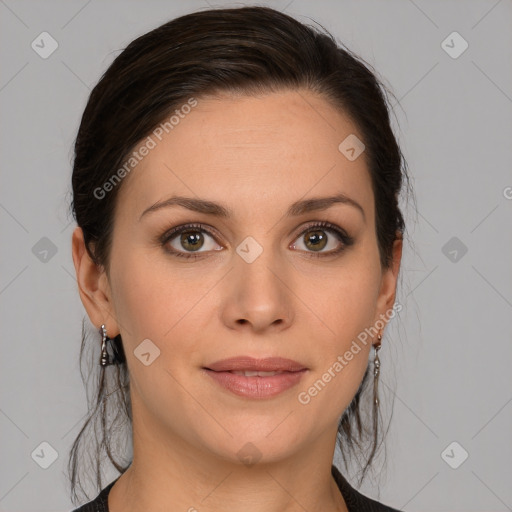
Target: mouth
[(256, 378), (250, 373), (248, 363)]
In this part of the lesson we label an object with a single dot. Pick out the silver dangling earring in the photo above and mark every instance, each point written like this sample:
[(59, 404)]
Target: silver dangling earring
[(376, 369), (104, 360)]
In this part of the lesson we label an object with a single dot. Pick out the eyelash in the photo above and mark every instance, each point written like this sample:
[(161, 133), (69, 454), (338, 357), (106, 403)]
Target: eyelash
[(346, 239)]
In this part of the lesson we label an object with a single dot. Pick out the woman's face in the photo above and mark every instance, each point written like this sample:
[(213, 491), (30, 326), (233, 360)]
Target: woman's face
[(261, 282)]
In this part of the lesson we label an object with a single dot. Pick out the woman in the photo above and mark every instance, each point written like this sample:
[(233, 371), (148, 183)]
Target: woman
[(235, 187)]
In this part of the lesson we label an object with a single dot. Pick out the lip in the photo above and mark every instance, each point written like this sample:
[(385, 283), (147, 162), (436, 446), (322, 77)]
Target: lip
[(267, 364), (256, 387)]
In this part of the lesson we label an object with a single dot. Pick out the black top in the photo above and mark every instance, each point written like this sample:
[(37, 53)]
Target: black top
[(356, 502)]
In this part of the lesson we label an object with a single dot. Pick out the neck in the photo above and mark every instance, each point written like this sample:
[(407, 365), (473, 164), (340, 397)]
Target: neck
[(182, 477)]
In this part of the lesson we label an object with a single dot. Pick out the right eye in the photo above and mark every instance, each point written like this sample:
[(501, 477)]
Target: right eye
[(191, 238)]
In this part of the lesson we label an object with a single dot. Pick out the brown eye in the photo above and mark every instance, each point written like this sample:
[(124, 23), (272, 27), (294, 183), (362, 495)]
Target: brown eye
[(317, 237), (184, 241), (315, 240), (191, 240)]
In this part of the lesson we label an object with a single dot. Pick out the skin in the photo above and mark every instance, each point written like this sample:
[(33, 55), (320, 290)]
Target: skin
[(255, 155)]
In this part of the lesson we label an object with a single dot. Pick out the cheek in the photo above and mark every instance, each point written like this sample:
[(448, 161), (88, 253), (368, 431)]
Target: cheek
[(142, 299), (345, 304), (344, 299), (153, 304), (160, 302), (341, 364)]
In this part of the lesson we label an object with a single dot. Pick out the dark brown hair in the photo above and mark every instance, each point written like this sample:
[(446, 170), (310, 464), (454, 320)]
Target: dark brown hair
[(248, 50)]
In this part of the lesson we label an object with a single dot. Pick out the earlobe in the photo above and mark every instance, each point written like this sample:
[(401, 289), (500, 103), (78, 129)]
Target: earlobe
[(93, 286), (389, 281)]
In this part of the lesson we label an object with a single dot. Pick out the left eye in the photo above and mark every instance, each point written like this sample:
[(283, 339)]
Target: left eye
[(314, 238)]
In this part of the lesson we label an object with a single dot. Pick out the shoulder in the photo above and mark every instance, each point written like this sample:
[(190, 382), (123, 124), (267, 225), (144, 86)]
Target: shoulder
[(98, 504), (357, 502)]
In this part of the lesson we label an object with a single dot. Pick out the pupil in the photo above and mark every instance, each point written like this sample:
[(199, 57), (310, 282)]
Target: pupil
[(192, 239), (317, 239)]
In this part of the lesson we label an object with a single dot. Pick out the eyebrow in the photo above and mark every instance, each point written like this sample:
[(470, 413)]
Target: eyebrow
[(211, 208)]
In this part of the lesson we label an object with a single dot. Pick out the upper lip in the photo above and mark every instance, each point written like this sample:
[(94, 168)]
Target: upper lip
[(267, 364)]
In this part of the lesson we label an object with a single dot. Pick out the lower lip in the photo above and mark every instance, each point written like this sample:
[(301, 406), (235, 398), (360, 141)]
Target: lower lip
[(256, 387)]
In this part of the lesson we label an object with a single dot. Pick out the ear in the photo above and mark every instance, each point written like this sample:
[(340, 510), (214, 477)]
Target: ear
[(93, 286), (387, 293)]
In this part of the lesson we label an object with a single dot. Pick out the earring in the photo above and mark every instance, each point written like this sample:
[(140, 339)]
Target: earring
[(376, 369), (104, 359)]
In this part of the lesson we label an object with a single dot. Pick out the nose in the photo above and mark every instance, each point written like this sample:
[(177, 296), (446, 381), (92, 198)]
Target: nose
[(258, 297)]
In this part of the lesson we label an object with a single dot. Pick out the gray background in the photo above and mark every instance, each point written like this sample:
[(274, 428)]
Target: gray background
[(446, 359)]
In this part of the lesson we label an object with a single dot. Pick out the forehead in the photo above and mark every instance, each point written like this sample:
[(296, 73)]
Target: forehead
[(245, 149)]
